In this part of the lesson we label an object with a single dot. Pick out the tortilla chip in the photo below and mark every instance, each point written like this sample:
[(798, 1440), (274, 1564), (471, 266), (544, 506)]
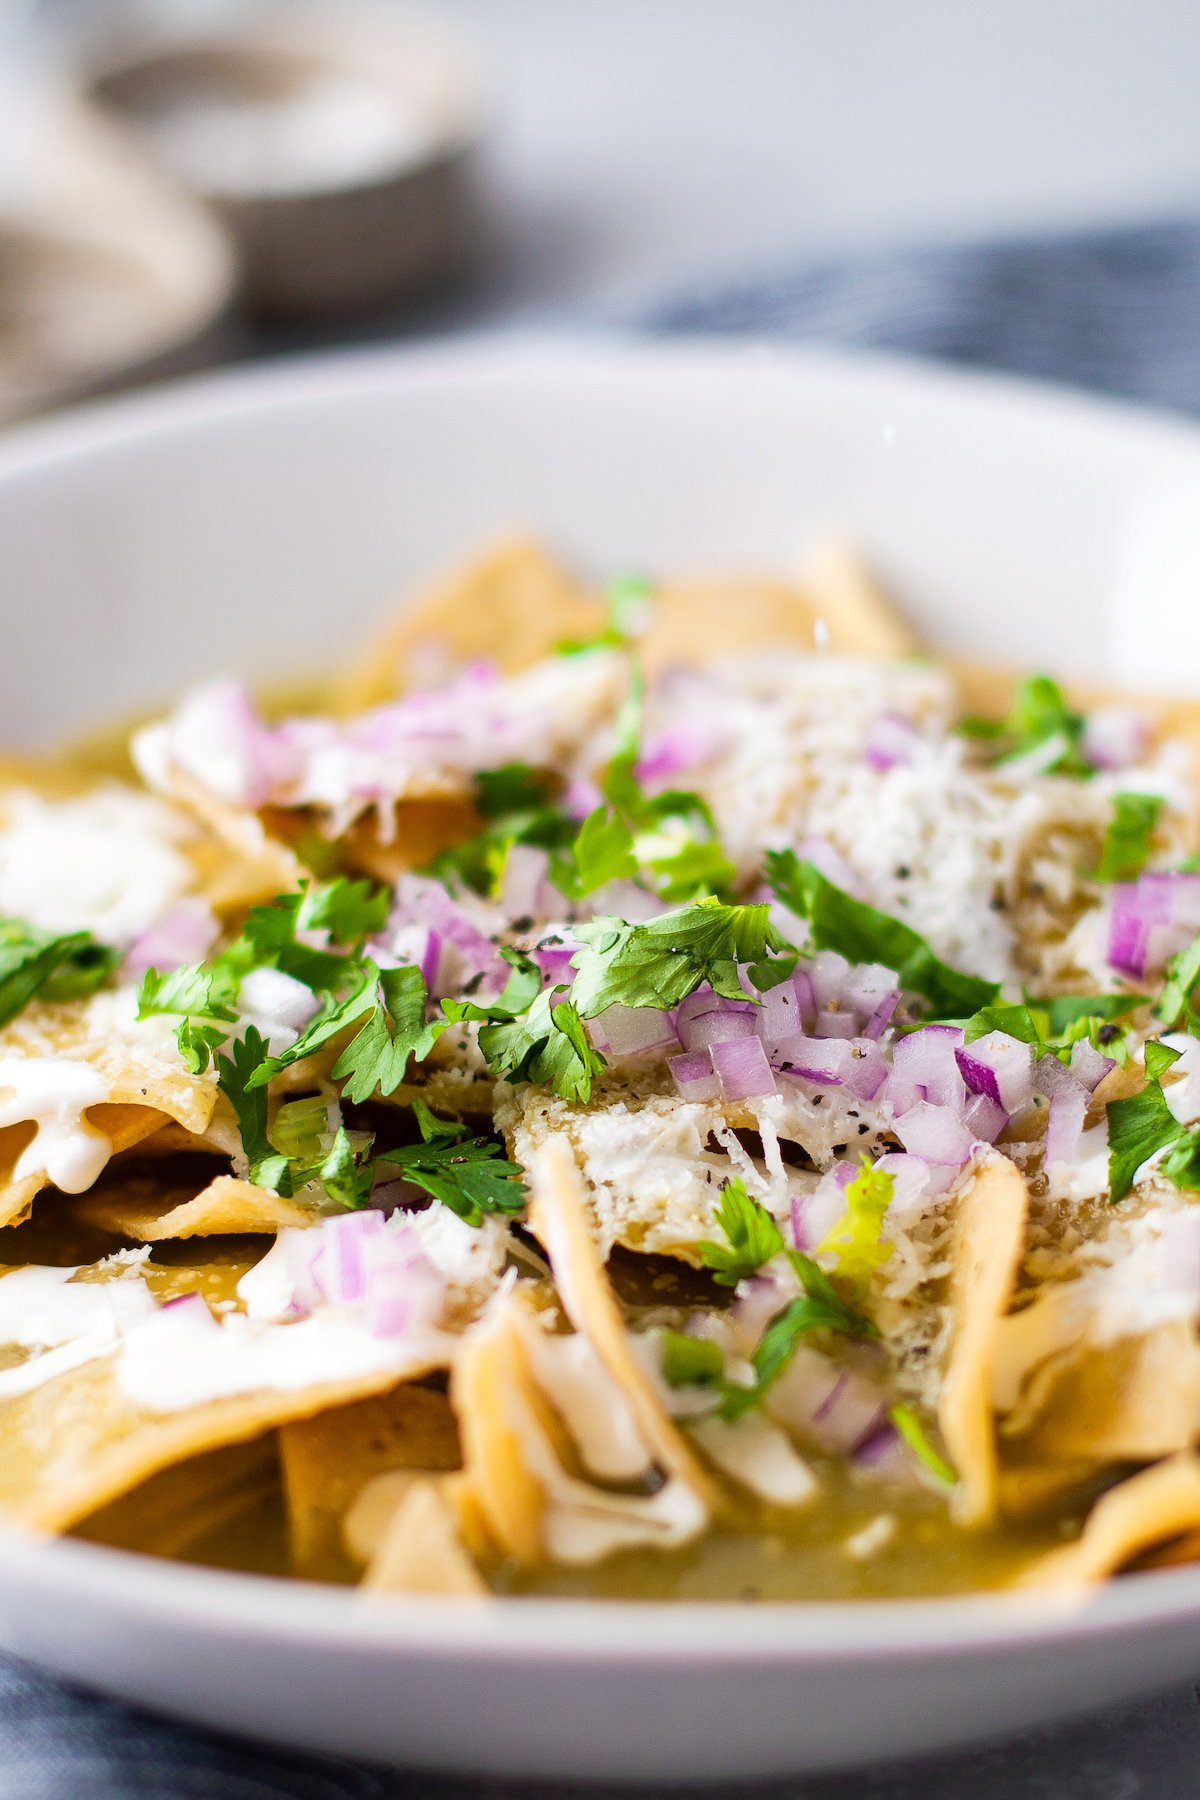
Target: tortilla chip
[(1026, 1492), (76, 1443), (423, 829), (226, 1206), (329, 1459), (989, 1231), (510, 607), (1157, 1504), (861, 617), (1131, 1401), (558, 1219), (170, 1511), (421, 1551), (490, 1381), (242, 866)]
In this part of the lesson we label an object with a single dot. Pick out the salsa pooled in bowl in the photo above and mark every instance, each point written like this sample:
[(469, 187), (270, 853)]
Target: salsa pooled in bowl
[(678, 1094)]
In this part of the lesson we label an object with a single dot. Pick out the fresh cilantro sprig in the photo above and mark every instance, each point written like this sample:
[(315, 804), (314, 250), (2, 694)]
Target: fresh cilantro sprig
[(1140, 1125), (862, 934), (819, 1308), (1039, 715), (689, 1361), (396, 1029), (206, 999), (627, 604), (515, 802), (754, 1237), (855, 1240), (268, 1168), (1127, 839), (661, 961), (1175, 1001), (1053, 1026), (466, 1174), (48, 966), (602, 852)]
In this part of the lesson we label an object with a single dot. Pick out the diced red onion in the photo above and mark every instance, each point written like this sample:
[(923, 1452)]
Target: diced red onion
[(782, 1053), (743, 1068), (910, 1181), (1179, 1250), (802, 982), (836, 1025), (886, 1456), (683, 745), (695, 1076), (1114, 737), (779, 1015), (824, 1060), (881, 1018), (420, 945), (893, 740), (423, 901), (554, 960), (717, 1028), (758, 1301), (999, 1066), (848, 1416), (1052, 1077), (984, 1117), (1150, 920), (926, 1059), (191, 1308), (815, 1215), (186, 935), (341, 1271), (1090, 1065), (935, 1133), (218, 736), (806, 1385), (866, 1071), (1065, 1124), (525, 871), (581, 798), (626, 1030), (832, 865), (827, 972), (866, 986)]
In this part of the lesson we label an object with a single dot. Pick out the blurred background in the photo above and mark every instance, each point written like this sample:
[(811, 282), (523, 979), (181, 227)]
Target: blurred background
[(1010, 184)]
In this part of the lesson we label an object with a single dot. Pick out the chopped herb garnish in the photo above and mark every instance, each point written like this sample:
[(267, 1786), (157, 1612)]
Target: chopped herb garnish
[(1053, 1025), (658, 963), (467, 1174), (515, 801), (855, 1239), (1127, 840), (1140, 1125), (820, 1308), (378, 1057), (602, 852), (528, 1035), (48, 966), (627, 603), (268, 1168), (1175, 1001), (1039, 715), (913, 1432), (332, 1017), (206, 998), (690, 1361), (860, 933), (754, 1237)]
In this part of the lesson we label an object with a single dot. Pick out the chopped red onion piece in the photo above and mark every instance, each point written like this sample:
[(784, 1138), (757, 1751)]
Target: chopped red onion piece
[(1051, 1077), (525, 871), (1065, 1123), (625, 1030), (815, 1215), (999, 1066), (423, 901), (802, 982), (1151, 919), (779, 1015), (836, 1025), (758, 1301), (581, 798), (689, 741), (910, 1182), (985, 1117), (926, 1059), (887, 1457), (186, 935), (866, 986), (866, 1071), (188, 1306), (849, 1415), (782, 1053), (824, 1060), (806, 1385), (218, 736), (743, 1068), (881, 1018), (1114, 737), (1090, 1065), (935, 1133), (717, 1028), (341, 1271), (554, 960), (695, 1076), (827, 972), (892, 741)]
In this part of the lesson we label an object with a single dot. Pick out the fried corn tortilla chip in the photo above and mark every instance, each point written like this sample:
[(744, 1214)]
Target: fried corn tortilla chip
[(1024, 1492), (989, 1236), (510, 607), (227, 1206), (1160, 1503), (1130, 1401), (77, 1442), (171, 1511), (329, 1459), (421, 1551)]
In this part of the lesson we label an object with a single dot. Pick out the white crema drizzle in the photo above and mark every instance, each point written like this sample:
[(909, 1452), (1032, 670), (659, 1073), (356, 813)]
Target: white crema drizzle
[(53, 1093)]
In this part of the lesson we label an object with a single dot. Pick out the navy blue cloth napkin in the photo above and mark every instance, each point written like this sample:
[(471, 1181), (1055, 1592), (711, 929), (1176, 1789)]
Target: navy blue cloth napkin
[(1117, 312)]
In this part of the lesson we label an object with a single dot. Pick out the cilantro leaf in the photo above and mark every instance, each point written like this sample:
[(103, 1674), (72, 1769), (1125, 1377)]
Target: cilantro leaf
[(520, 991), (913, 1432), (249, 1102), (206, 998), (548, 1046), (1127, 840), (1029, 1024), (658, 963), (345, 1175), (1182, 1164), (855, 1239), (513, 788), (602, 852), (378, 1056), (349, 910), (692, 869), (1183, 972), (268, 941), (1140, 1125), (754, 1237), (48, 965), (516, 803), (332, 1017), (690, 1361), (820, 1308), (860, 933), (627, 604), (1039, 714), (469, 1177), (1068, 1008)]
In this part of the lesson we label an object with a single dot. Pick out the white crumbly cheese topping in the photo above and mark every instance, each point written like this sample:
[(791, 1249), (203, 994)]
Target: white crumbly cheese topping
[(110, 863)]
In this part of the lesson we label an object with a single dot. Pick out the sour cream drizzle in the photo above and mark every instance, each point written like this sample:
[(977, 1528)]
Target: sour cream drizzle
[(53, 1093)]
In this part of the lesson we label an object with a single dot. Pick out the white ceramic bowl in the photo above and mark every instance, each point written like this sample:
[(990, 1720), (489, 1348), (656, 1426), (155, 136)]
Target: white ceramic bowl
[(256, 522)]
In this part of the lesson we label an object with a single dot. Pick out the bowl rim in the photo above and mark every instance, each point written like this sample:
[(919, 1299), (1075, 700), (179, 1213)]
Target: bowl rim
[(212, 1601)]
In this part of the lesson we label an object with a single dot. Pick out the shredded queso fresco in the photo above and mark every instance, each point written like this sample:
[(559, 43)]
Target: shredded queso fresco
[(614, 1099)]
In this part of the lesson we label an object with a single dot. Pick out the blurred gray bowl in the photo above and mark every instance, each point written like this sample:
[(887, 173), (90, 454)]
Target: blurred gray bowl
[(336, 143)]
